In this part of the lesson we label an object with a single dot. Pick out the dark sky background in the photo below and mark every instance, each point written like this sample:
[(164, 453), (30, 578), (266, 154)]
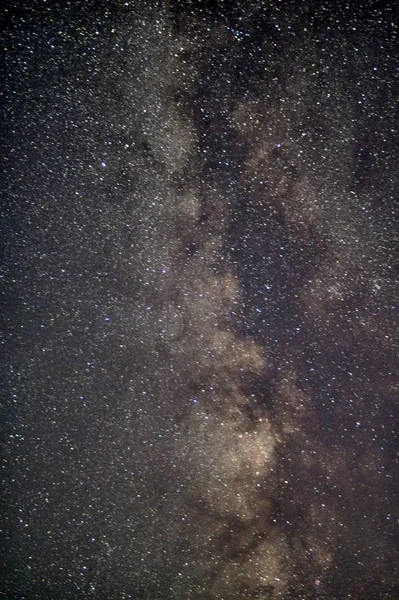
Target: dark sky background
[(199, 287)]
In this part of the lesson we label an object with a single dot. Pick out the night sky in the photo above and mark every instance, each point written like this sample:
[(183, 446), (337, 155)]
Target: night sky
[(199, 300)]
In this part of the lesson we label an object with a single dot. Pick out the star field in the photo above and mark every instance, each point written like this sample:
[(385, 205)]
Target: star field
[(199, 299)]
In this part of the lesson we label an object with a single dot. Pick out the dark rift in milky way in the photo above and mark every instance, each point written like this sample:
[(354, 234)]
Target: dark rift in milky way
[(247, 232), (261, 271)]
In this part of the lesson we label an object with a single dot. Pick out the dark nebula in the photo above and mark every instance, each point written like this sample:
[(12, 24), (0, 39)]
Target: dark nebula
[(199, 230)]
